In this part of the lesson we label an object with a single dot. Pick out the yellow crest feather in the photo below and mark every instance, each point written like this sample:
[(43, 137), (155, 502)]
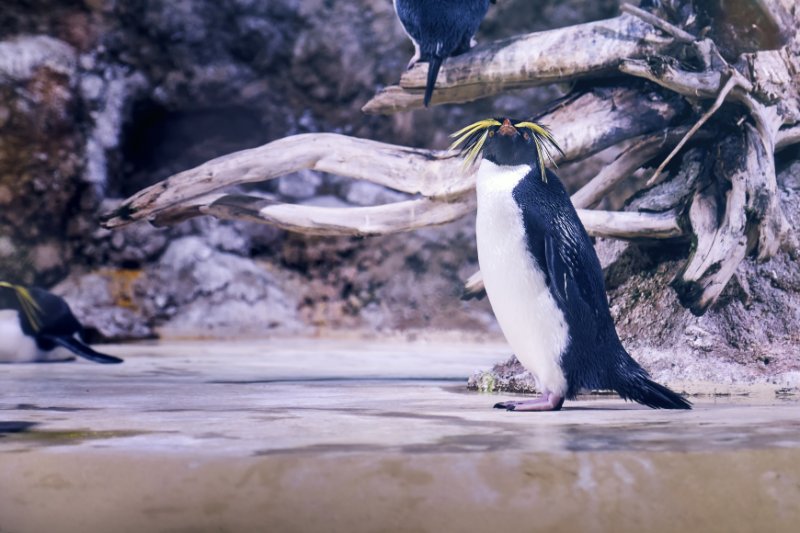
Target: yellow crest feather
[(472, 138), (27, 303), (543, 140)]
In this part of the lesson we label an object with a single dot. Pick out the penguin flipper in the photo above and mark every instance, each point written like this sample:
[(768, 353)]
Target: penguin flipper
[(78, 348), (434, 64), (566, 288)]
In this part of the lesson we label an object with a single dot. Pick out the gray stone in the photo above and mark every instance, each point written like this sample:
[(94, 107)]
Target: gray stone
[(299, 185), (105, 304), (364, 193), (199, 290)]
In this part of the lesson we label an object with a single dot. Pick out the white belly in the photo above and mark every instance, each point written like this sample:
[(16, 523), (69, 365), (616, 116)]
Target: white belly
[(16, 347), (531, 321)]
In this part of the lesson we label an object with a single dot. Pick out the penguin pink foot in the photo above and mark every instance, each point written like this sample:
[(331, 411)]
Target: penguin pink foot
[(416, 58), (547, 402)]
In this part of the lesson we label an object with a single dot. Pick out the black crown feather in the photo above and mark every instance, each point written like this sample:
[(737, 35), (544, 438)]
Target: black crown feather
[(472, 139), (27, 303)]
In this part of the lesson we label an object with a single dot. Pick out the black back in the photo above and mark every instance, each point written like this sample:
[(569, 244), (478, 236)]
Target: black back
[(442, 28), (563, 250)]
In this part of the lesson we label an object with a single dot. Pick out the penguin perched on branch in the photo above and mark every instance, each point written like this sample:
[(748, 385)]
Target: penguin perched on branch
[(38, 326), (542, 274), (440, 29)]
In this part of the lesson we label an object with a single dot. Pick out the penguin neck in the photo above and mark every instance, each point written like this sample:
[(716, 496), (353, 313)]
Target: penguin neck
[(492, 177)]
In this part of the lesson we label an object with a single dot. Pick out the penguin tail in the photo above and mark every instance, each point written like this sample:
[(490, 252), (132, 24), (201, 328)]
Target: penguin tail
[(647, 392), (434, 65), (78, 348), (635, 384)]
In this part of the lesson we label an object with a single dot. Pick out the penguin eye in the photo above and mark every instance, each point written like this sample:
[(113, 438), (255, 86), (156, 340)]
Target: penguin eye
[(526, 136), (491, 133)]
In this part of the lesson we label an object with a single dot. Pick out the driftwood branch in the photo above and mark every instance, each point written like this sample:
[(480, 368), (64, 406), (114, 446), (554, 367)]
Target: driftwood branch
[(663, 25), (734, 80), (314, 220), (642, 150), (584, 125), (749, 206), (529, 60), (398, 217), (787, 137)]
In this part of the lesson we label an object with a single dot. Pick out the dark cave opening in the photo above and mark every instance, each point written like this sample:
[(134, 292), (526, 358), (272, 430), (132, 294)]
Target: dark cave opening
[(158, 142)]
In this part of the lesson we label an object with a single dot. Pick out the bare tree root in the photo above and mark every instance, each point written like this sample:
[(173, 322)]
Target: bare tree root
[(750, 212)]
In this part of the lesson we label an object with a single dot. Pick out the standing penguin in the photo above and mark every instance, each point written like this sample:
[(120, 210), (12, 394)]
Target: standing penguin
[(440, 29), (542, 275), (37, 326)]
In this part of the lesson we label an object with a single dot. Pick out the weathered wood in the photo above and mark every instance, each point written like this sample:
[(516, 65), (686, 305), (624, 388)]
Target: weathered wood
[(397, 217), (663, 25), (529, 60), (355, 221), (737, 201), (584, 125), (787, 137), (640, 152), (426, 172)]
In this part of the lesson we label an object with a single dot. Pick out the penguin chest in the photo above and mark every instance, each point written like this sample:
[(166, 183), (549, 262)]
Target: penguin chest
[(516, 285), (16, 347)]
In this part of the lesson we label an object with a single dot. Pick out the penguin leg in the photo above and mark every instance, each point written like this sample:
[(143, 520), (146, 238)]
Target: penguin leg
[(547, 402), (417, 55)]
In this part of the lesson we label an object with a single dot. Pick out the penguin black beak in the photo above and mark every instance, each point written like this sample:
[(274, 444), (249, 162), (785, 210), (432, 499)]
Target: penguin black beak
[(507, 129)]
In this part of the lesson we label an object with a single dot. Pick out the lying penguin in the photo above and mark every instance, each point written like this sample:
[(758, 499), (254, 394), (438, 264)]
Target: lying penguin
[(37, 326), (542, 274)]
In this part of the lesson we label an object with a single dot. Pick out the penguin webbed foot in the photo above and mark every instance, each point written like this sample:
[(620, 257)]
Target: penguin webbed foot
[(547, 402)]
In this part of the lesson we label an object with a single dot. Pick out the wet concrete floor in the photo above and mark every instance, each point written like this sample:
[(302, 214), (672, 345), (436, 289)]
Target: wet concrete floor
[(311, 435)]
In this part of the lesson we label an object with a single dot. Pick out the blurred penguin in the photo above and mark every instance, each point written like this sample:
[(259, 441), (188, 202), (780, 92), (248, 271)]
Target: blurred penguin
[(38, 326)]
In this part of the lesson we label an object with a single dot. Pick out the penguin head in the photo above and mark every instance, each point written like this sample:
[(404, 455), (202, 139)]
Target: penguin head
[(8, 296), (505, 141), (21, 299)]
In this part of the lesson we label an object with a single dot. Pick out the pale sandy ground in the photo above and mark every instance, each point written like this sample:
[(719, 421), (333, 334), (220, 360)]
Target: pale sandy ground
[(380, 435)]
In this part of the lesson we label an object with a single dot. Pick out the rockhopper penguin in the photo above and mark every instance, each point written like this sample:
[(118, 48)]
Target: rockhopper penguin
[(542, 275), (37, 326), (440, 29)]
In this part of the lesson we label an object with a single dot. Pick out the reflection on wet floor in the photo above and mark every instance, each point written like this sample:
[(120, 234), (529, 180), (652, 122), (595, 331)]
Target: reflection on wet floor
[(259, 399), (359, 437)]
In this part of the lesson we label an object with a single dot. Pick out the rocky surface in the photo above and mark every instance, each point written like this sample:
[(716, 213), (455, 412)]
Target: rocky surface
[(99, 98)]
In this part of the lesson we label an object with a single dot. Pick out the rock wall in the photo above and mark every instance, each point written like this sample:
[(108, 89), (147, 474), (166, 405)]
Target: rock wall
[(99, 98)]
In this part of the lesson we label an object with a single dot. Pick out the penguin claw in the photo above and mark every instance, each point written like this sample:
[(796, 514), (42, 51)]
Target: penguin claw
[(548, 402)]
